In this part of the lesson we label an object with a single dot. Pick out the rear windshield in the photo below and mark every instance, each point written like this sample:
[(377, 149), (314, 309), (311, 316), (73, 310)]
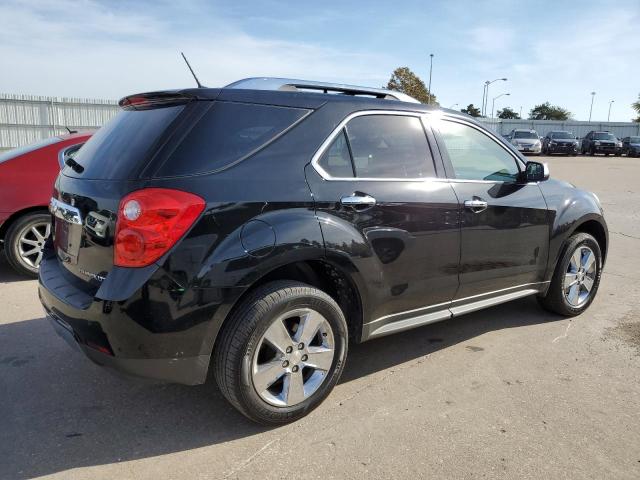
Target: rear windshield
[(16, 152), (524, 135), (226, 134), (123, 143)]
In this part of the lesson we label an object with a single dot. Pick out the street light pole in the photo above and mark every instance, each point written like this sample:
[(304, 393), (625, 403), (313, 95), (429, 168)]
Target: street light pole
[(485, 101), (609, 114), (593, 94), (430, 71), (520, 111), (493, 104)]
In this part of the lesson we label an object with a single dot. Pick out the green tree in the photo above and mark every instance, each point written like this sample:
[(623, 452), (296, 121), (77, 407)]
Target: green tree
[(546, 111), (405, 81), (471, 110), (636, 106), (506, 112)]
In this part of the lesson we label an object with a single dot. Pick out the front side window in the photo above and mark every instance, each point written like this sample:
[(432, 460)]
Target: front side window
[(389, 146), (476, 156)]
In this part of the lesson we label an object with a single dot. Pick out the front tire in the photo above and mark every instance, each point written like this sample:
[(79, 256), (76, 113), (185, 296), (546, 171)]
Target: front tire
[(281, 352), (24, 241), (576, 278)]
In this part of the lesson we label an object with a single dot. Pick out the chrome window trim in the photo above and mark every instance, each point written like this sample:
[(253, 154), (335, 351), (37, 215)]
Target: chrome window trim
[(329, 140)]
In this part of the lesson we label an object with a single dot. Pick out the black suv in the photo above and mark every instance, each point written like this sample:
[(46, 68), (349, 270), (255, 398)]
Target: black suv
[(256, 228), (631, 146), (601, 142), (559, 142)]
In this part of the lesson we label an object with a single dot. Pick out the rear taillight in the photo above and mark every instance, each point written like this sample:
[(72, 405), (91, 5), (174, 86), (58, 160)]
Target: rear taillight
[(150, 222)]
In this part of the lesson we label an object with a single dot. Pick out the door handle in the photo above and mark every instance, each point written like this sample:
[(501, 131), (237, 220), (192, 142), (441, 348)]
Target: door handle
[(358, 201), (476, 205)]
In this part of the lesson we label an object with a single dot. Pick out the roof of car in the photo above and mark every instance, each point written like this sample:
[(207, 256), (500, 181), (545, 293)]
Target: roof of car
[(296, 93)]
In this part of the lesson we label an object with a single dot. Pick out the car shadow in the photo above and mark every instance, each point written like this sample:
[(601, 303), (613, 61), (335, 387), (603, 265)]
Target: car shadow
[(7, 274), (59, 411)]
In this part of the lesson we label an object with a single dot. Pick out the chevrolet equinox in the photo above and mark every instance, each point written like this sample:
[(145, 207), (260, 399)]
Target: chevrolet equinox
[(255, 229)]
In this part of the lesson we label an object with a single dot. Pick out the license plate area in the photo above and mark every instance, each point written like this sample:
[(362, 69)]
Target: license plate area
[(67, 232)]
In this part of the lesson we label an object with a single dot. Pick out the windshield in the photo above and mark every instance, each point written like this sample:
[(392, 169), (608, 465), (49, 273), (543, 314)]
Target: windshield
[(16, 152), (531, 135), (562, 135), (634, 139), (603, 136)]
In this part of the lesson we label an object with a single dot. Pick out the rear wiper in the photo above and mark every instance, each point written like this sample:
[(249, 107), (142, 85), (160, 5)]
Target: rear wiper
[(74, 165)]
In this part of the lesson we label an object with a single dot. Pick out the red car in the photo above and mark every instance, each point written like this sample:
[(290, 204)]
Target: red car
[(26, 183)]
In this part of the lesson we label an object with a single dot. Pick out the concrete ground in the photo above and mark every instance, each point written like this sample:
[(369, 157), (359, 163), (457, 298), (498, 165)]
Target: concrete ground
[(509, 392)]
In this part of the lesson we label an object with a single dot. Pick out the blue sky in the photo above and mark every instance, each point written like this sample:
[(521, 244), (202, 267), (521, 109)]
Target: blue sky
[(557, 51)]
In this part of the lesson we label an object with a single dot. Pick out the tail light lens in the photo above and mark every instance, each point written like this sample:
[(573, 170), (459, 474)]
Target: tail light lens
[(150, 222)]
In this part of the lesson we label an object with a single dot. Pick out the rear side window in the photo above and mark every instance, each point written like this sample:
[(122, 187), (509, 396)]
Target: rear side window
[(123, 144), (226, 134), (380, 146), (389, 146), (336, 160)]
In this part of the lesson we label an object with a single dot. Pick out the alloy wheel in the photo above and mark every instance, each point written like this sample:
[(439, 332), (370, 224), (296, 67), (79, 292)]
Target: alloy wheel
[(293, 357), (580, 276), (30, 241)]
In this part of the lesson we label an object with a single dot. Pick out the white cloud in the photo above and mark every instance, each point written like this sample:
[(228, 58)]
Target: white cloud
[(102, 52)]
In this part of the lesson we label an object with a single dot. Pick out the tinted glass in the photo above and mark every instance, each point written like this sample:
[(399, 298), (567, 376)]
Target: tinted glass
[(336, 160), (389, 146), (603, 136), (475, 156), (634, 139), (123, 143), (228, 132), (561, 135), (16, 152), (530, 135)]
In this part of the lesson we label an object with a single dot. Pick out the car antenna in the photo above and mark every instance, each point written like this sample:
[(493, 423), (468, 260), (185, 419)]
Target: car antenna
[(70, 131), (191, 69)]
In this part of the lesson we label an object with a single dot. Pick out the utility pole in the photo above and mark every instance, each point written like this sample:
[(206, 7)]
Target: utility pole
[(520, 111), (609, 114), (485, 96), (430, 71), (493, 104), (593, 94)]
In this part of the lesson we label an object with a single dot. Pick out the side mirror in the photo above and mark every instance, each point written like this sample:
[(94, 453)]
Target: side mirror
[(536, 172)]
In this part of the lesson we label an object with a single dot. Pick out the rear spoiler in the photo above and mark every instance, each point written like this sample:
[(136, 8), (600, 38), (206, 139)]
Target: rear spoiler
[(146, 101)]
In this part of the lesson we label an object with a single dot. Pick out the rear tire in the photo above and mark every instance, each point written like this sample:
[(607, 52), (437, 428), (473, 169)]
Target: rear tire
[(274, 374), (24, 241), (576, 278)]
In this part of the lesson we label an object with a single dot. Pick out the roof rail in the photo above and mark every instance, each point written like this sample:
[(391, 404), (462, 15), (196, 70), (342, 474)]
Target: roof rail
[(290, 84)]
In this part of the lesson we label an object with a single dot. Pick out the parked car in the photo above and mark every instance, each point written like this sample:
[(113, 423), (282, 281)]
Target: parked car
[(559, 141), (526, 141), (26, 182), (257, 228), (601, 142), (631, 146)]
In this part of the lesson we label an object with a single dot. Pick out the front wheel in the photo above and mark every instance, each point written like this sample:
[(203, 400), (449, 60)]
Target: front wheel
[(281, 352), (577, 276), (24, 241)]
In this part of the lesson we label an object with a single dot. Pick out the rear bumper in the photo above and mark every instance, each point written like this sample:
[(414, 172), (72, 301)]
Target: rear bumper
[(185, 370), (111, 336)]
